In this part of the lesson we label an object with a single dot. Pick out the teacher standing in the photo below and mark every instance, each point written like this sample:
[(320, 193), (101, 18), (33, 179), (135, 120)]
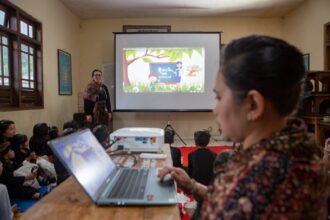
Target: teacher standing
[(97, 104)]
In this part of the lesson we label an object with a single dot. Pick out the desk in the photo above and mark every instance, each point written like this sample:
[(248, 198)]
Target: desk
[(69, 201)]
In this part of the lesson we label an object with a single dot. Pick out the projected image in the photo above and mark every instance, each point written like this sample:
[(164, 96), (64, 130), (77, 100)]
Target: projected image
[(166, 70)]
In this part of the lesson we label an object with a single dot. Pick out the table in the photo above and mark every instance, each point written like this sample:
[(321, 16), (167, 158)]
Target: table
[(69, 201)]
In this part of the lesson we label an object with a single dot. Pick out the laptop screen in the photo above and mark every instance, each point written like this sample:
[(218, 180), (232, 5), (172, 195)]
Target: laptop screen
[(85, 157)]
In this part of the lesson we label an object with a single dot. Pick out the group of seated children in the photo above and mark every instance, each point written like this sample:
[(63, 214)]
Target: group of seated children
[(27, 164)]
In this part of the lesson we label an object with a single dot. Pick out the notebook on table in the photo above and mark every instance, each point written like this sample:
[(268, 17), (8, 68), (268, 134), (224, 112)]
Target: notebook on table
[(106, 184)]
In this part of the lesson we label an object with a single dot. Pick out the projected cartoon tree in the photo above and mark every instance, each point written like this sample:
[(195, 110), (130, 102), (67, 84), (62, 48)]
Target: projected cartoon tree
[(130, 56)]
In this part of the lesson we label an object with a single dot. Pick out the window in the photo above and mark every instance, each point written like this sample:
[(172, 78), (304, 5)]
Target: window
[(2, 17), (26, 29), (4, 61), (20, 59)]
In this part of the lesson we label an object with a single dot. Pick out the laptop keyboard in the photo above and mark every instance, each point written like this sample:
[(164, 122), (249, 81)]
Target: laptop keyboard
[(131, 184)]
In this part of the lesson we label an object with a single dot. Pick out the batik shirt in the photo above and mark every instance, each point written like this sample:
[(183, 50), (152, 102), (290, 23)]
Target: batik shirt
[(280, 177)]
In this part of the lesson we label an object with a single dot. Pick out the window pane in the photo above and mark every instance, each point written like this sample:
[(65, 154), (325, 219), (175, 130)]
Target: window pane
[(0, 81), (30, 31), (31, 50), (24, 28), (24, 48), (2, 17), (5, 61), (31, 67), (6, 81), (31, 85), (25, 65), (5, 40), (25, 84), (0, 63)]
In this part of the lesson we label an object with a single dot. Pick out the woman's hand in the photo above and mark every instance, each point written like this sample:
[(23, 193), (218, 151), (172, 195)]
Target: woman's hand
[(179, 176), (89, 118), (31, 176), (109, 116)]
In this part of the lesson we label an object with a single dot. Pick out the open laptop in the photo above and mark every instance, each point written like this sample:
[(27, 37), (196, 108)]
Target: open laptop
[(105, 184)]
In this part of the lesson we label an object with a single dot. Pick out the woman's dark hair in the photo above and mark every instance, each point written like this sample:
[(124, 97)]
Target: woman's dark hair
[(101, 133), (4, 125), (53, 132), (202, 138), (40, 130), (71, 124), (5, 147), (268, 65), (96, 70), (17, 140)]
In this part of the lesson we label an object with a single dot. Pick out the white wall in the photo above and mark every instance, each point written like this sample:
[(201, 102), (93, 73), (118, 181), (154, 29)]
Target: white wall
[(91, 44), (304, 27)]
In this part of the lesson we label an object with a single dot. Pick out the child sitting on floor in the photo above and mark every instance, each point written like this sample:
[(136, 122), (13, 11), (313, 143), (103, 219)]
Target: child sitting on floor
[(200, 162)]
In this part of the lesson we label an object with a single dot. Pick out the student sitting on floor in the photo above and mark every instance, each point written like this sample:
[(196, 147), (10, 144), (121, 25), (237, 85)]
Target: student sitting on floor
[(38, 142), (7, 130), (101, 132), (6, 211), (20, 146), (200, 162), (14, 184)]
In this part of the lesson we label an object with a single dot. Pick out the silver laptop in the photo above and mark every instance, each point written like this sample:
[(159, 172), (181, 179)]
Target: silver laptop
[(105, 184)]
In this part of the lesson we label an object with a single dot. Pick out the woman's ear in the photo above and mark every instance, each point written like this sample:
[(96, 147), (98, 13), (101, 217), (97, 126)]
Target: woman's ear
[(255, 104)]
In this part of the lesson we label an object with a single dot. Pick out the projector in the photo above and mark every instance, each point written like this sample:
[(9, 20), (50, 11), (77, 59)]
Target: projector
[(138, 139)]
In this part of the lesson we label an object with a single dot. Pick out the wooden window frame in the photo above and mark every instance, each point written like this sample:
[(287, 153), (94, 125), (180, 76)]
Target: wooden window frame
[(15, 97)]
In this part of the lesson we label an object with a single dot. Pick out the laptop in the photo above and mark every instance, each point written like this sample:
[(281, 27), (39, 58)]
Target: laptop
[(105, 183)]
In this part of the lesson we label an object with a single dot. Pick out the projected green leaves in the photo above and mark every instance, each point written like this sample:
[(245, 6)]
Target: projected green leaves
[(163, 70)]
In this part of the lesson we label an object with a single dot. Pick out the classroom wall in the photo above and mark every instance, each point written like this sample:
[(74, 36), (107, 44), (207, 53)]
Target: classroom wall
[(304, 27), (60, 31), (91, 44), (97, 48)]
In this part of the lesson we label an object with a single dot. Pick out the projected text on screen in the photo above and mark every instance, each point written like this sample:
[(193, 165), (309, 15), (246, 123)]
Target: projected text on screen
[(163, 70)]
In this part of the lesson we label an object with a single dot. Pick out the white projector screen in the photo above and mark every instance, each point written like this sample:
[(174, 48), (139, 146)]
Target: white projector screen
[(166, 71)]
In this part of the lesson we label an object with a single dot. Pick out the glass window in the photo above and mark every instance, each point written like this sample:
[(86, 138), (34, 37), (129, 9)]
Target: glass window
[(4, 40), (25, 66), (24, 28), (2, 17), (25, 48), (31, 67), (6, 81), (25, 84), (30, 31), (22, 67), (5, 61), (0, 66)]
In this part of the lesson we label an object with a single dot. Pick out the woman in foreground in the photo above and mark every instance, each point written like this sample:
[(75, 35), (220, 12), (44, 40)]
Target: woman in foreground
[(278, 174)]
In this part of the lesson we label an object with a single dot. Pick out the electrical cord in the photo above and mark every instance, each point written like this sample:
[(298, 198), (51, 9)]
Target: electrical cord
[(124, 153)]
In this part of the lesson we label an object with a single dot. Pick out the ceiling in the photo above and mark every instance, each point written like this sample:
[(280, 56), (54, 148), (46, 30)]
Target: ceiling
[(89, 9)]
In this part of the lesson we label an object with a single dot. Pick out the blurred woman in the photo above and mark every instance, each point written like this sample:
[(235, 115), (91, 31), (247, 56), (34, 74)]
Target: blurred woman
[(279, 174)]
